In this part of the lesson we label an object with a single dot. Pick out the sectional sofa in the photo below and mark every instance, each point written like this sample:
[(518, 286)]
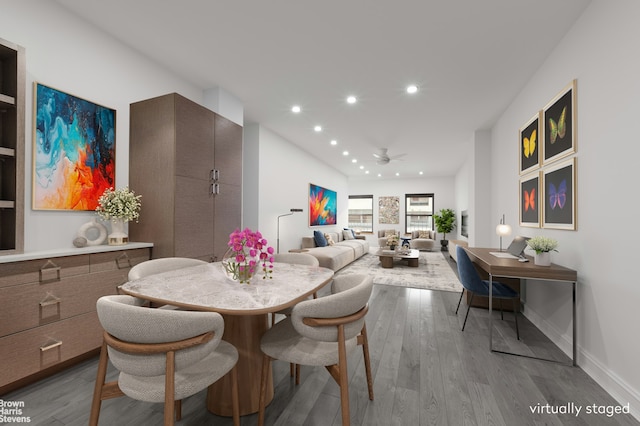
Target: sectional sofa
[(339, 254)]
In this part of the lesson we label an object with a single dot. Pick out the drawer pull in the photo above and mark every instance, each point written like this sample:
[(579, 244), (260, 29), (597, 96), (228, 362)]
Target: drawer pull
[(50, 300), (49, 267), (124, 259), (50, 346)]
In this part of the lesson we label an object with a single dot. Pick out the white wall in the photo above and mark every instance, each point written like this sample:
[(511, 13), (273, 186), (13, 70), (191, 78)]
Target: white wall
[(65, 53), (600, 52), (442, 188), (285, 172)]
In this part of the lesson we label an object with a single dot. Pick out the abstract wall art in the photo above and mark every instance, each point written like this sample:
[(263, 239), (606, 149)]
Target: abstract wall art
[(73, 152), (322, 206), (389, 210)]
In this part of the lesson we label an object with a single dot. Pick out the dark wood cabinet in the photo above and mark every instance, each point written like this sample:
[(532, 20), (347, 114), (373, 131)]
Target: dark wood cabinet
[(12, 112), (186, 162)]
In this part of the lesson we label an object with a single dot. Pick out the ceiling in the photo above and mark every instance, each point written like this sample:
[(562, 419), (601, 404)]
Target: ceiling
[(469, 59)]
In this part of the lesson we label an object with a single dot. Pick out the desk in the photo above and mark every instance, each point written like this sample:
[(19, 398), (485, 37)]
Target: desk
[(512, 268), (244, 308)]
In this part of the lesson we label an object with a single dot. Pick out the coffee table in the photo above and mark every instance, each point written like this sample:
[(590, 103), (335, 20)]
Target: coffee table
[(387, 257)]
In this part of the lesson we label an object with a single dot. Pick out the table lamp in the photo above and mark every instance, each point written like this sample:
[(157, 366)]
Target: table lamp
[(292, 211), (503, 230)]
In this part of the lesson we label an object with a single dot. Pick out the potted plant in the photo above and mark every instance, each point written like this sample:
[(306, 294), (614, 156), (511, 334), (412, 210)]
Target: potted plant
[(119, 206), (445, 221), (543, 246)]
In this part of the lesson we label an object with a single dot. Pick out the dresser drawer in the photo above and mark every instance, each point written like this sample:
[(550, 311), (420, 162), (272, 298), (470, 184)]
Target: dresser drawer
[(31, 351), (43, 270), (119, 260), (37, 304)]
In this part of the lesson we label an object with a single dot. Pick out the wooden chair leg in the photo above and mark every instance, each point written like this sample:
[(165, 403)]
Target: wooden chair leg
[(263, 388), (367, 360), (178, 409), (97, 390), (343, 379), (297, 374)]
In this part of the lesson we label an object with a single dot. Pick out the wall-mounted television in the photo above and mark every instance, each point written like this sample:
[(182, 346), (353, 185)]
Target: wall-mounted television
[(464, 223)]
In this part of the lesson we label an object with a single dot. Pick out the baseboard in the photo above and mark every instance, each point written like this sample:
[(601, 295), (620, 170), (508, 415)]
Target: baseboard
[(615, 385)]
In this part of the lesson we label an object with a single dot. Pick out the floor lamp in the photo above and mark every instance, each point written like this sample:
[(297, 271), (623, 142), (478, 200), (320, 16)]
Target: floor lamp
[(503, 230), (292, 211)]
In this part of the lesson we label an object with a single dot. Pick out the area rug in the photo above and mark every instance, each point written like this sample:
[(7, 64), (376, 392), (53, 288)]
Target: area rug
[(433, 272)]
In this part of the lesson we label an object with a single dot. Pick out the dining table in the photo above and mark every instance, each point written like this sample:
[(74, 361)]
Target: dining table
[(245, 309)]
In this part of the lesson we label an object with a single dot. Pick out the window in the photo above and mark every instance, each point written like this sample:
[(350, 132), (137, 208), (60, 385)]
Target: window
[(361, 213), (418, 212)]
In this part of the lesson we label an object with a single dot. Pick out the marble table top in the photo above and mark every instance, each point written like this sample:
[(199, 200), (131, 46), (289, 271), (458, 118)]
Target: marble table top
[(206, 287)]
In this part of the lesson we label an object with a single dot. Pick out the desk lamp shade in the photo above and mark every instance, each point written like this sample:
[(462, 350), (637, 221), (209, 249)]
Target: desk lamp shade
[(503, 230)]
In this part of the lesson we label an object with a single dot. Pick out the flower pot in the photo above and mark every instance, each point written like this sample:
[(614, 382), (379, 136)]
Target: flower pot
[(542, 259), (118, 236)]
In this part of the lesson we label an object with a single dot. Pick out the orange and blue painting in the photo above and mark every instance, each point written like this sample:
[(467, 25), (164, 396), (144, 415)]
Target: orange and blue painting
[(74, 151), (322, 206)]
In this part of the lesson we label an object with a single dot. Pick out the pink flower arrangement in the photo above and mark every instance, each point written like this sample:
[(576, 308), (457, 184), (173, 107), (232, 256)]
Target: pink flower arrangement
[(247, 252)]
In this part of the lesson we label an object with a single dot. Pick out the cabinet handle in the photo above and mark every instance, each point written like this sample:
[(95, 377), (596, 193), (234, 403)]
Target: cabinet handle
[(50, 300), (216, 175), (49, 267), (214, 189), (125, 259), (50, 346)]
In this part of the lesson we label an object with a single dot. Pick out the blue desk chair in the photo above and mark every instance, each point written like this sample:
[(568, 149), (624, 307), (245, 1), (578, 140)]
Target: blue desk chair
[(472, 282)]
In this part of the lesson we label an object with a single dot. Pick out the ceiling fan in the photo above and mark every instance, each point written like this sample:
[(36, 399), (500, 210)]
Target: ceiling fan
[(383, 158)]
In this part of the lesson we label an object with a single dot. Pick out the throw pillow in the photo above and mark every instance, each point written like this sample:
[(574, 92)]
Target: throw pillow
[(329, 239), (348, 235), (319, 238), (353, 233), (424, 234), (389, 232)]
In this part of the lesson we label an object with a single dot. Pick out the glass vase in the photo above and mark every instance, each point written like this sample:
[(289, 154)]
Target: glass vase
[(241, 272)]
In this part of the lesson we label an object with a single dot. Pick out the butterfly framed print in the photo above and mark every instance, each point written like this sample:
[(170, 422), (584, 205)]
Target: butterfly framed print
[(529, 145), (559, 183), (559, 124), (530, 200)]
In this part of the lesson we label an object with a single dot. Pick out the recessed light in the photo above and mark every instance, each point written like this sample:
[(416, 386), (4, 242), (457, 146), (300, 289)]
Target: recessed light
[(379, 174), (354, 160), (366, 172), (397, 174), (296, 109), (318, 128), (345, 152), (421, 173), (361, 167), (412, 88), (334, 142), (352, 99)]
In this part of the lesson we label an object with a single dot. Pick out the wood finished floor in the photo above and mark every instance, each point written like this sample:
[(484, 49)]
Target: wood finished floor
[(426, 372)]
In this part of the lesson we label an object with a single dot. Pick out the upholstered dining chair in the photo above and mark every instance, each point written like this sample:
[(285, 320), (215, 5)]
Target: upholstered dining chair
[(165, 264), (157, 266), (162, 355), (296, 259), (471, 282), (322, 332)]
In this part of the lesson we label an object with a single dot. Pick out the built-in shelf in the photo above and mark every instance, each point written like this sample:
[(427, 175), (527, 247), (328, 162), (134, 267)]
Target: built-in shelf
[(4, 204), (7, 152), (7, 100)]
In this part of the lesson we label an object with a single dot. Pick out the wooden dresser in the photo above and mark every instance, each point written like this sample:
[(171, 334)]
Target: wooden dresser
[(48, 306)]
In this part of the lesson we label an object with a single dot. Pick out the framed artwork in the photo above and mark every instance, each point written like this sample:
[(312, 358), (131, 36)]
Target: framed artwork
[(529, 145), (322, 206), (530, 200), (74, 150), (559, 124), (559, 184), (389, 210)]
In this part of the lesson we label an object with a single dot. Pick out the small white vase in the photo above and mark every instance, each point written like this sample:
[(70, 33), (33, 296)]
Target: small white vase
[(118, 236), (542, 259)]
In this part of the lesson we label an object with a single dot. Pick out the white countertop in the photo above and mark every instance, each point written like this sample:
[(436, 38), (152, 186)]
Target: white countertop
[(69, 251)]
